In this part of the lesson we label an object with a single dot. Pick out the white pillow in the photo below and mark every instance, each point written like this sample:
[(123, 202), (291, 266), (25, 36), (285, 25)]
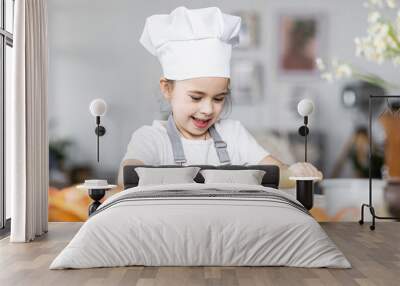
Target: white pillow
[(163, 176), (248, 177)]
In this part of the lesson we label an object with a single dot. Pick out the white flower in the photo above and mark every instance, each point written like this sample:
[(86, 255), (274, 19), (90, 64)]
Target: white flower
[(381, 42), (376, 3), (384, 29), (327, 76), (376, 57), (380, 45), (343, 71), (390, 42), (320, 64), (391, 3), (360, 46), (374, 17)]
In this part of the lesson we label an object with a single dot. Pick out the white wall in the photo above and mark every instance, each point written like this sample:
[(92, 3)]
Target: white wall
[(94, 52)]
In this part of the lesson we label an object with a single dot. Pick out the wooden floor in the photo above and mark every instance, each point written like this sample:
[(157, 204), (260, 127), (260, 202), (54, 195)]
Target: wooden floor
[(375, 257)]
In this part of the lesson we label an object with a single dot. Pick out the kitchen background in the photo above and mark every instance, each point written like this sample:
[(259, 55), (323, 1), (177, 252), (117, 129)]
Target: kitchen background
[(95, 53)]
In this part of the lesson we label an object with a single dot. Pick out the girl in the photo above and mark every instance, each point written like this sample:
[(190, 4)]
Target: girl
[(194, 49)]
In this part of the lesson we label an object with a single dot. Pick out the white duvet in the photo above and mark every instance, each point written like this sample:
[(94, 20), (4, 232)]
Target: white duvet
[(200, 231)]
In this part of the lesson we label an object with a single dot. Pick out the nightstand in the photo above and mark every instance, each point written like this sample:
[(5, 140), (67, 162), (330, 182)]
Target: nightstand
[(96, 190), (96, 195), (305, 190)]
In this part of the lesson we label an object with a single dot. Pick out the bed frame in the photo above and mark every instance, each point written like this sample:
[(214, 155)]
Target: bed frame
[(270, 179), (304, 188)]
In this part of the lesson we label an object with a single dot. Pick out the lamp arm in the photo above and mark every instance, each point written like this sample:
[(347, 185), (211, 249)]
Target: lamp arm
[(98, 137), (305, 138)]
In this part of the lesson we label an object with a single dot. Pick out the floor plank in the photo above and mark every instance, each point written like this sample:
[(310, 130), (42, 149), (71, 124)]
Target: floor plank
[(374, 255)]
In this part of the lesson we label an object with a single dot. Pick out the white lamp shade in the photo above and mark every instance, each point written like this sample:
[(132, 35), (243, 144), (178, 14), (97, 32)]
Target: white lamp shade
[(305, 107), (98, 107)]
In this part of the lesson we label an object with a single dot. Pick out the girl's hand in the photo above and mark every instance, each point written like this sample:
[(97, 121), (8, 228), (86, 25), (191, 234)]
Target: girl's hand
[(305, 170)]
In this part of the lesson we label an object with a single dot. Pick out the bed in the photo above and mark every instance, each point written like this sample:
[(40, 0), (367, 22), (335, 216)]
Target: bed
[(201, 224)]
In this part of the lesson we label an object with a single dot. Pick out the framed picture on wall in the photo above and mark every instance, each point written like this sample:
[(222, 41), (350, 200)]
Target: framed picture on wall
[(249, 31), (246, 81), (301, 39)]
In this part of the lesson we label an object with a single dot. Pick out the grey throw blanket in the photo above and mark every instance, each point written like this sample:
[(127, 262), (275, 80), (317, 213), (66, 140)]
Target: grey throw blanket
[(205, 194)]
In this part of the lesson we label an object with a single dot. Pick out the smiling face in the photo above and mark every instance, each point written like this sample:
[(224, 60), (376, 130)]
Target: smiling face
[(196, 103)]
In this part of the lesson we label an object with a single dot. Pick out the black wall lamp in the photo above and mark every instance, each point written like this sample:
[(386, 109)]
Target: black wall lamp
[(98, 108), (305, 185), (305, 108)]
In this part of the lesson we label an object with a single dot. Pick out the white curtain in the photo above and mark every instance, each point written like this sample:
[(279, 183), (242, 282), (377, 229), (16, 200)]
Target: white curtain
[(26, 123)]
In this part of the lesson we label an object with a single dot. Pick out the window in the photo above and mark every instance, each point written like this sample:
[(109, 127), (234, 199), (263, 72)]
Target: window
[(6, 44)]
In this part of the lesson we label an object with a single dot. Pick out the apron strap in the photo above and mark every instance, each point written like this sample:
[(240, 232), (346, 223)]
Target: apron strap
[(220, 146), (177, 147)]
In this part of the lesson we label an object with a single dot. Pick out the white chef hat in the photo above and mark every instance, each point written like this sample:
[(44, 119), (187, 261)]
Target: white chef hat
[(192, 43)]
